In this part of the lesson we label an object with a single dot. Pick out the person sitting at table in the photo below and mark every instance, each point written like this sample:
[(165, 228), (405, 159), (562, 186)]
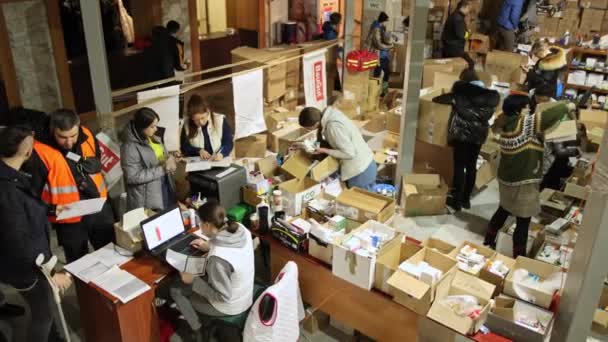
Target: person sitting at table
[(146, 164), (205, 133), (227, 288)]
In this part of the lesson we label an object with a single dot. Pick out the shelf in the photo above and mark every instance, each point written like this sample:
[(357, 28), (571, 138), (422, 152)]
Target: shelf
[(603, 53), (585, 88), (592, 71)]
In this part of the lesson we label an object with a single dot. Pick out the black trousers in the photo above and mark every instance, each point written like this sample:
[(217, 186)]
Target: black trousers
[(40, 301), (97, 228), (520, 235), (465, 170), (553, 178)]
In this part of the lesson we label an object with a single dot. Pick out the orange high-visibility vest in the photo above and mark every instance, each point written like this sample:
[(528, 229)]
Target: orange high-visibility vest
[(61, 187)]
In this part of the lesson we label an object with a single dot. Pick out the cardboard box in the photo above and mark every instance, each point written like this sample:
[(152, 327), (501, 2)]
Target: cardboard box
[(543, 270), (356, 86), (353, 267), (479, 43), (488, 253), (361, 205), (555, 202), (393, 120), (429, 158), (503, 318), (298, 192), (550, 26), (413, 293), (591, 20), (445, 80), (433, 120), (395, 252), (506, 66), (251, 147), (373, 94), (279, 118), (391, 141), (353, 109), (250, 196), (274, 76), (438, 246), (376, 121), (485, 174), (423, 195), (451, 65), (281, 140), (319, 249), (494, 278), (600, 317), (300, 166), (460, 283), (577, 191), (593, 119)]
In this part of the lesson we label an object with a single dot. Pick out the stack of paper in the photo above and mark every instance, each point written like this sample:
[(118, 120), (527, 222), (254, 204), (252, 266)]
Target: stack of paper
[(94, 264), (121, 284)]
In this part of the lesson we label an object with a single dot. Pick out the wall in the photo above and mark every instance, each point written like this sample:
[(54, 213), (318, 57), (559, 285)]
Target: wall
[(32, 52), (217, 16), (178, 10)]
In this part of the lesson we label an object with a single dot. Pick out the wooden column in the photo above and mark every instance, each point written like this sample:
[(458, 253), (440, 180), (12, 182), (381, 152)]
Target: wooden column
[(59, 53), (7, 67), (195, 44), (261, 24)]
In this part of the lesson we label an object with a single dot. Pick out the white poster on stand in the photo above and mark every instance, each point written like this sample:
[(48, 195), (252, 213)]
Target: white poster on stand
[(315, 79), (248, 92), (167, 108)]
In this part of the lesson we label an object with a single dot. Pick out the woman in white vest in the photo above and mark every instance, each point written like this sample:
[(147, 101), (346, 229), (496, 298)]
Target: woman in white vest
[(227, 288), (205, 134)]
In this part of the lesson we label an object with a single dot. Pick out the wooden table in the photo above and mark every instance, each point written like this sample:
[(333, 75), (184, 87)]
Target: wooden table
[(106, 319)]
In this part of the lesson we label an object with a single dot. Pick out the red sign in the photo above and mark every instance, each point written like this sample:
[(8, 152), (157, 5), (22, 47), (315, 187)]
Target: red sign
[(318, 72), (108, 158)]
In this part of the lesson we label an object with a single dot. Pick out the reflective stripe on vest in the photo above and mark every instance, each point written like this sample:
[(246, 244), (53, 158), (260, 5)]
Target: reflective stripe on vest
[(61, 187)]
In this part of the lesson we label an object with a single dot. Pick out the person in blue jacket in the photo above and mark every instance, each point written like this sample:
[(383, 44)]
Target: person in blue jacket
[(205, 134), (330, 27), (508, 23), (378, 41)]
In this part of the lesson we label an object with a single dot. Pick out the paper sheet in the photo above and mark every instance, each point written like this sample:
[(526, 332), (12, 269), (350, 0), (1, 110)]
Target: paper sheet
[(195, 164), (315, 79), (186, 263), (167, 108), (248, 104), (121, 284), (94, 264), (82, 208), (132, 219)]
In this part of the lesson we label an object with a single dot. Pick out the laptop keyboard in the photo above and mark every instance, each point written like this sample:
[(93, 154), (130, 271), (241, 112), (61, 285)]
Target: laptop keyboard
[(184, 247)]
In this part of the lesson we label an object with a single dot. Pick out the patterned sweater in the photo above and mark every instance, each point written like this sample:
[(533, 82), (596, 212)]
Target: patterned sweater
[(522, 146)]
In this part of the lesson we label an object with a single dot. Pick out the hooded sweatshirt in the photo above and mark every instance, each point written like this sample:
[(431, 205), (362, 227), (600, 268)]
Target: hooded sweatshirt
[(346, 142), (217, 285)]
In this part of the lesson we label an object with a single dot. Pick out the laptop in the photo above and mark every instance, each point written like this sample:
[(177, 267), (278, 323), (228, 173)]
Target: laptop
[(166, 230)]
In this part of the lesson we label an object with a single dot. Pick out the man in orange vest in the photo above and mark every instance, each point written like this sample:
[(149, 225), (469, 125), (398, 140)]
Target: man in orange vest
[(66, 168)]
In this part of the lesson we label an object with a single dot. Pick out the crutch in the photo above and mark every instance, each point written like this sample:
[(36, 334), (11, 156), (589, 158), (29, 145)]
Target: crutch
[(47, 269)]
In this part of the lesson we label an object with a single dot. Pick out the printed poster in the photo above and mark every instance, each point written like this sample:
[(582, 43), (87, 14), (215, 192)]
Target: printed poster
[(315, 79)]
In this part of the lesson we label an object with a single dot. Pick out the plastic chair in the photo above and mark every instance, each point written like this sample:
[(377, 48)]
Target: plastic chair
[(235, 322)]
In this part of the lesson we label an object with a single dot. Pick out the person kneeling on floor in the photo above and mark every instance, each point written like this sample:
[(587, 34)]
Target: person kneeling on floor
[(227, 288)]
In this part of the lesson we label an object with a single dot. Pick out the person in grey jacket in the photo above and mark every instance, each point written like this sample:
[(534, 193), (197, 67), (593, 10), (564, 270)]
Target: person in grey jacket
[(146, 164), (345, 143), (227, 287), (379, 41)]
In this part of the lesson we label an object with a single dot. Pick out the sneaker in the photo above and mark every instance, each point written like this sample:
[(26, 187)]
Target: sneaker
[(452, 203)]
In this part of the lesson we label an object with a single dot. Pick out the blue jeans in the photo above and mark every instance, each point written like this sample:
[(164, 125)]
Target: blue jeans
[(366, 179), (385, 66), (168, 195)]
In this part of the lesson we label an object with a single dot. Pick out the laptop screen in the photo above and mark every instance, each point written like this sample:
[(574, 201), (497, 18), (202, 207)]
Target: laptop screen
[(163, 228)]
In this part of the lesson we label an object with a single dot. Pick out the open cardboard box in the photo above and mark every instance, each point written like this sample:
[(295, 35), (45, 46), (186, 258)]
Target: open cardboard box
[(593, 119), (438, 245), (361, 205), (251, 147), (543, 270), (433, 119), (423, 195), (393, 120), (281, 140), (488, 253), (298, 192), (503, 318), (413, 293), (494, 278), (576, 191), (457, 284), (300, 166), (280, 118), (451, 65), (356, 268), (555, 202), (395, 252), (600, 317), (376, 122)]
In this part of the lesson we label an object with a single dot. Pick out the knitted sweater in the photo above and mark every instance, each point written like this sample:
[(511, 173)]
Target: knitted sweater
[(521, 144)]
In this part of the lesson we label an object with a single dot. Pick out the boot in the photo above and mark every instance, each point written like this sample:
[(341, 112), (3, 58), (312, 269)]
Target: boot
[(519, 250), (490, 239), (453, 203)]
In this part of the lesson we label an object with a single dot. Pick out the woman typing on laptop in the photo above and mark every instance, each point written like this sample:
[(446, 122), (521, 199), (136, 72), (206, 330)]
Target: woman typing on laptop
[(227, 287)]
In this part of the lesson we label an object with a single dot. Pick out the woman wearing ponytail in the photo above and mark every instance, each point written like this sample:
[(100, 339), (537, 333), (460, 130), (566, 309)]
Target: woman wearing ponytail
[(227, 287)]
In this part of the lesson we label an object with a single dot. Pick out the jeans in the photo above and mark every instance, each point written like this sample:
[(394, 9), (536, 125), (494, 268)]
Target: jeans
[(40, 301), (168, 195), (465, 170), (385, 66), (520, 235), (366, 179), (97, 228)]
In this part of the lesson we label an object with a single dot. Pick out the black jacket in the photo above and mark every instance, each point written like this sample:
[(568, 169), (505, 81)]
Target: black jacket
[(547, 70), (453, 35), (472, 107), (24, 229)]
